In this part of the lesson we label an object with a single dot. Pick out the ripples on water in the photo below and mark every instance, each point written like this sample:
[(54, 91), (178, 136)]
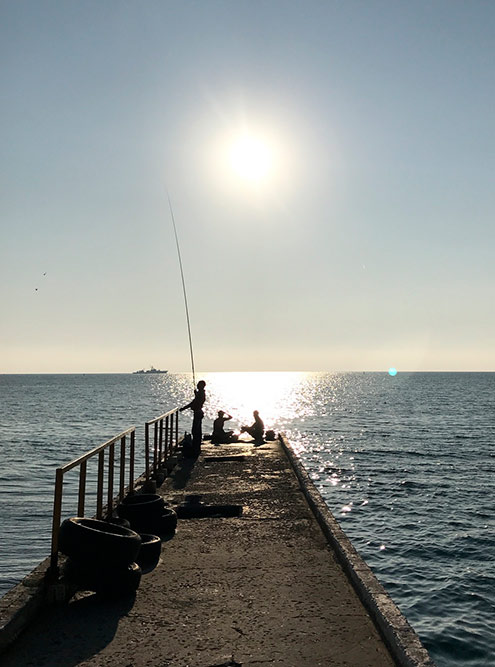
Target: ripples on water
[(406, 465)]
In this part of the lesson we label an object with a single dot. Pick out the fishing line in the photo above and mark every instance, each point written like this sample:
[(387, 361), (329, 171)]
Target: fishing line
[(183, 289)]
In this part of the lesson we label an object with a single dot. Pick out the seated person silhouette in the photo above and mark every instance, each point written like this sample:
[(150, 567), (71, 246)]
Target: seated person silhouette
[(220, 436), (256, 430)]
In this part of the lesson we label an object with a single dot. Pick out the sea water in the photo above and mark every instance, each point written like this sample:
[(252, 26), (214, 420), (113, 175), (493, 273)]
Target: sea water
[(404, 462)]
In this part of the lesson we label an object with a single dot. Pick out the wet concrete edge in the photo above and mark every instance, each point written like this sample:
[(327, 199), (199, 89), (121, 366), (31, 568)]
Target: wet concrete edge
[(404, 644), (21, 604)]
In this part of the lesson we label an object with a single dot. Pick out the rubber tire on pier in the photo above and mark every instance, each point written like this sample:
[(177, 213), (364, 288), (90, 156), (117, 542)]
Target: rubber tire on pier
[(202, 511), (83, 539), (108, 581), (140, 507), (118, 521), (163, 524), (168, 521), (149, 554)]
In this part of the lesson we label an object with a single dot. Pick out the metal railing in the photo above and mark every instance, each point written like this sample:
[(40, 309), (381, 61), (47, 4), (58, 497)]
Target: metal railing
[(165, 440), (110, 474)]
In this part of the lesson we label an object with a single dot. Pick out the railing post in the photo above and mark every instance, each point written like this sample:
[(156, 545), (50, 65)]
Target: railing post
[(160, 443), (99, 491), (82, 489), (176, 428), (147, 450), (167, 422), (122, 468), (111, 461), (172, 433), (131, 463), (155, 446), (57, 515)]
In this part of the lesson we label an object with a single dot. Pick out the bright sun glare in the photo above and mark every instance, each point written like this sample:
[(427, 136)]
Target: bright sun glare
[(250, 158)]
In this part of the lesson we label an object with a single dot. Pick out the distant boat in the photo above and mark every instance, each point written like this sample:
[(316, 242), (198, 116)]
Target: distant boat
[(150, 370)]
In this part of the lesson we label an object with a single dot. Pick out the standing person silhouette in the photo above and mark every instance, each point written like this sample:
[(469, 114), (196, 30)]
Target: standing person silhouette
[(196, 405)]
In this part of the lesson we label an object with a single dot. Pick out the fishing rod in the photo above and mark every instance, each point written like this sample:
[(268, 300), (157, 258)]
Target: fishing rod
[(183, 288)]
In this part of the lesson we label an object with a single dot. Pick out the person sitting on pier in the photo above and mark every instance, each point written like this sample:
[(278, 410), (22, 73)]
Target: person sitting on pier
[(220, 436), (196, 405), (256, 430)]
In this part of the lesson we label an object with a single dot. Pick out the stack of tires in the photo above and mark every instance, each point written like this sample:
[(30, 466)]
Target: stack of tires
[(101, 556), (108, 557), (146, 513), (148, 516)]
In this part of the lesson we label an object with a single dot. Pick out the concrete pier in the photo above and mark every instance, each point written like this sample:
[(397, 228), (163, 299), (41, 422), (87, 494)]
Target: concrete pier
[(265, 588)]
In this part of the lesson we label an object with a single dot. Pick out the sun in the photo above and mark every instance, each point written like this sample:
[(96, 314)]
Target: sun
[(250, 158)]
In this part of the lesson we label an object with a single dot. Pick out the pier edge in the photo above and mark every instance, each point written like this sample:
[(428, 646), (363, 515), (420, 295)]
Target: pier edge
[(402, 640)]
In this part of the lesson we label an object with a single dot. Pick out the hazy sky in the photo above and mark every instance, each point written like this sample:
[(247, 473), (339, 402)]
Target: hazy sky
[(355, 232)]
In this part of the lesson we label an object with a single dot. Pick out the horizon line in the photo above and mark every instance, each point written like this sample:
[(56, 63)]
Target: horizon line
[(386, 371)]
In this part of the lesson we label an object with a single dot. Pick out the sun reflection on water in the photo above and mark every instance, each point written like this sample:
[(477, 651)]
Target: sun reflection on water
[(273, 394), (310, 408)]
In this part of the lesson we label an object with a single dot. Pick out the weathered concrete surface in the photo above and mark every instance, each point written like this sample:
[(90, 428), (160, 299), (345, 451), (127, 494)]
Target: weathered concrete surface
[(262, 589), (401, 639), (21, 604)]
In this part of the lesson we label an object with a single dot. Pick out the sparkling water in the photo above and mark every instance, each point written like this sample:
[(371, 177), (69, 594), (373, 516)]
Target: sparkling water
[(404, 461)]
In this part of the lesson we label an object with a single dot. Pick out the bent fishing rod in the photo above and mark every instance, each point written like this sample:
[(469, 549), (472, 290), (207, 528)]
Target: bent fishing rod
[(183, 288)]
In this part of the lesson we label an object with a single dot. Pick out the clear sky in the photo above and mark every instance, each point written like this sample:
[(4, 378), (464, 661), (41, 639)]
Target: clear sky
[(330, 164)]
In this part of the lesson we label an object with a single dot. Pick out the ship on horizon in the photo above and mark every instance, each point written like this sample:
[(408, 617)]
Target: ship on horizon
[(152, 369)]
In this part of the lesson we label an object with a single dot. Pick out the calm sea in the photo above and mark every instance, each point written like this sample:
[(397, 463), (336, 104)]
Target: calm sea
[(405, 463)]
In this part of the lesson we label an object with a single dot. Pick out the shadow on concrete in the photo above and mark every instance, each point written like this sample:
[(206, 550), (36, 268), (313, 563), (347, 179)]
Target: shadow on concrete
[(67, 635), (182, 472)]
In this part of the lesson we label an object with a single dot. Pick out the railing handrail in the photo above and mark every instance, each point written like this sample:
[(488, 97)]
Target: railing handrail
[(81, 461), (165, 432), (165, 442), (165, 414), (96, 450)]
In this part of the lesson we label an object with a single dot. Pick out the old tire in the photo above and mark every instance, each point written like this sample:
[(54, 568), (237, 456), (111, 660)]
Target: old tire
[(98, 541), (140, 507), (202, 511), (108, 581), (149, 554), (118, 521), (167, 522), (163, 524)]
